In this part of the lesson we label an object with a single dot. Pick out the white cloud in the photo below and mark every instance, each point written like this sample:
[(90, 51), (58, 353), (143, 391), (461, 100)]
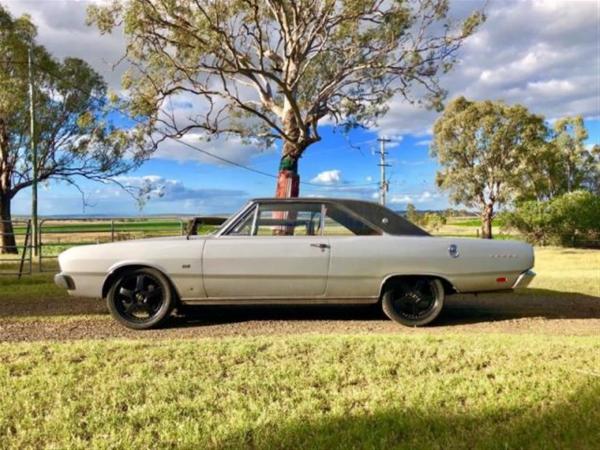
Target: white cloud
[(62, 30), (229, 148), (158, 188), (422, 197), (542, 54), (328, 177)]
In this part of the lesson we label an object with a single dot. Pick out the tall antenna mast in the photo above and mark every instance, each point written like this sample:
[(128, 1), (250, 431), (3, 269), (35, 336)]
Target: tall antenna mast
[(383, 184), (34, 158)]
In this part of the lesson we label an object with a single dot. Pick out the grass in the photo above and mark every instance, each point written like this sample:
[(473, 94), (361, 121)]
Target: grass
[(37, 285), (303, 392), (472, 221), (567, 270)]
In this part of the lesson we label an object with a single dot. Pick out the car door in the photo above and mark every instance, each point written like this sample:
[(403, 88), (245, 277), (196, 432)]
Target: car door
[(356, 262), (275, 251)]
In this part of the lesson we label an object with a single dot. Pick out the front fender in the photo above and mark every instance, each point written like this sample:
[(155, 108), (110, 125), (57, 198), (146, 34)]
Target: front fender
[(117, 267)]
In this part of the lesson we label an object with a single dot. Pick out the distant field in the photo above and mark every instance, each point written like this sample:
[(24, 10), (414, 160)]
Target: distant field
[(470, 227)]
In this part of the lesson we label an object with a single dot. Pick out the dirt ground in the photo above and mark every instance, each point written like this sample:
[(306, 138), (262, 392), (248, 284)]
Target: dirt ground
[(533, 311)]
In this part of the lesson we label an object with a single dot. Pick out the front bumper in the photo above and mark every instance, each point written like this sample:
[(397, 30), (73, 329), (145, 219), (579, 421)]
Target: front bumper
[(524, 279), (64, 281)]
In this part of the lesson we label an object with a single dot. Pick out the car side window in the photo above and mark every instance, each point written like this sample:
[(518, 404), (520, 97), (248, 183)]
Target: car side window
[(244, 226), (288, 219), (341, 223)]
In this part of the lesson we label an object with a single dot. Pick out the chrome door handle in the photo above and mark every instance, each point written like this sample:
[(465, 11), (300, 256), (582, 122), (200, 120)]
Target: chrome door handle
[(321, 246)]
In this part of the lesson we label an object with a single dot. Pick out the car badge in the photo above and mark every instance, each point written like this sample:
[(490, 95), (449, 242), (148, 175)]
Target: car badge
[(453, 251)]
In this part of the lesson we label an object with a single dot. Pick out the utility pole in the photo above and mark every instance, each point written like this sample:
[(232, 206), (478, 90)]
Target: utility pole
[(383, 184), (34, 158)]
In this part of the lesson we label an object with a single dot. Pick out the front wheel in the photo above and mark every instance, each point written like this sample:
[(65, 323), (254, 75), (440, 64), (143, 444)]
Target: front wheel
[(141, 298), (413, 303)]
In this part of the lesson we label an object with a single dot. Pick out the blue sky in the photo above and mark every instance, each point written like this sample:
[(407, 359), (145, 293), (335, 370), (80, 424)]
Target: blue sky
[(545, 55)]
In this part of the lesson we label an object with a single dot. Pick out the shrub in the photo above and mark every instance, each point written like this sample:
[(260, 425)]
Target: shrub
[(565, 220), (432, 221)]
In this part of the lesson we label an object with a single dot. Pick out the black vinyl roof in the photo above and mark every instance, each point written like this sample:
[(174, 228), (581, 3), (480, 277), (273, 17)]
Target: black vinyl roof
[(375, 214)]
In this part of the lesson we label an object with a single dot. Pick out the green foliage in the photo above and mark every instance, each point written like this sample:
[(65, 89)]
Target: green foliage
[(563, 220), (562, 163), (411, 213), (74, 137), (273, 70), (481, 147), (430, 220), (433, 221)]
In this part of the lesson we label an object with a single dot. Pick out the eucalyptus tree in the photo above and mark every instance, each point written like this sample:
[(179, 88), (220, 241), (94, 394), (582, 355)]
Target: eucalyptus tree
[(273, 70), (482, 147), (576, 160), (562, 163), (73, 135)]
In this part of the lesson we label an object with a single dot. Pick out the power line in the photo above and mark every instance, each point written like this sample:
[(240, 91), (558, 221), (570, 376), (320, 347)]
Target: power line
[(186, 144)]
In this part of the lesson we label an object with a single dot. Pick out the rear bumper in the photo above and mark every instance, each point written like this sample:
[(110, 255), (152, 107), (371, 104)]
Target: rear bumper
[(524, 279), (64, 281)]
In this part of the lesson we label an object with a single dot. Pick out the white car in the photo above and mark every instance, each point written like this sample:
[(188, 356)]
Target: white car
[(295, 251)]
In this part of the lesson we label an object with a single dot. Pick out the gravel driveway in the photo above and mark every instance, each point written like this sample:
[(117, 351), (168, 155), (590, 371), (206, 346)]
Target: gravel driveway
[(534, 311)]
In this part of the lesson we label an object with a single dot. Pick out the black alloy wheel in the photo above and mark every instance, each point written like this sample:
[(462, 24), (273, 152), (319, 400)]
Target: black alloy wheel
[(141, 298), (414, 302)]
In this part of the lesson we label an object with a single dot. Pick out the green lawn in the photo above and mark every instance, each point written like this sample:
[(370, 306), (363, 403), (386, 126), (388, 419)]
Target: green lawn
[(303, 392)]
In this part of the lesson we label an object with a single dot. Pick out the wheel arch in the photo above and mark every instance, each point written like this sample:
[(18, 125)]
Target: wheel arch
[(117, 270), (449, 288)]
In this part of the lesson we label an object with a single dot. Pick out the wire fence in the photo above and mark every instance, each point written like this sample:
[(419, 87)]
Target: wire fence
[(56, 235)]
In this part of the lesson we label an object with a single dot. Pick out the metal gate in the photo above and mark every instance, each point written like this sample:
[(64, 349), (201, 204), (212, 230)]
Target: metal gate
[(17, 259), (56, 235)]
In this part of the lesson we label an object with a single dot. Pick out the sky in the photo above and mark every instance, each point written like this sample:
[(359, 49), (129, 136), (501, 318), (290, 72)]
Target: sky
[(543, 54)]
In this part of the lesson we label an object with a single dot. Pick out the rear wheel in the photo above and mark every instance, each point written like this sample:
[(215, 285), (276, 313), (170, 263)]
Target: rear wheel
[(413, 302), (141, 298)]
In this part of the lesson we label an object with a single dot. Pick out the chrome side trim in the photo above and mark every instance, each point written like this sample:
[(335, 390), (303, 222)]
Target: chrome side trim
[(524, 279), (279, 301)]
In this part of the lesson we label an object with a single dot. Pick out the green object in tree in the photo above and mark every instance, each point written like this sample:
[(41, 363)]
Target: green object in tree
[(288, 163)]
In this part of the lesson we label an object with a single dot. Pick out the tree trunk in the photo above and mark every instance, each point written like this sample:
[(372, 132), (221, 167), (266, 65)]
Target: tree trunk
[(288, 181), (7, 236), (8, 243), (487, 214)]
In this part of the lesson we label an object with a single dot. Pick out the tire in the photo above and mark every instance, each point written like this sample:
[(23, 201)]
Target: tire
[(414, 303), (141, 298)]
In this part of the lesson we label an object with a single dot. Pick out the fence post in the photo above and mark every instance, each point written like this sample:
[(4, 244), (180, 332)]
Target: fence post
[(25, 245), (112, 230), (40, 245)]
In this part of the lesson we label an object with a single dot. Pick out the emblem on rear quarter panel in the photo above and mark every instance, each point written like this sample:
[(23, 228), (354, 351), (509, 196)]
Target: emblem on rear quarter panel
[(453, 251)]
